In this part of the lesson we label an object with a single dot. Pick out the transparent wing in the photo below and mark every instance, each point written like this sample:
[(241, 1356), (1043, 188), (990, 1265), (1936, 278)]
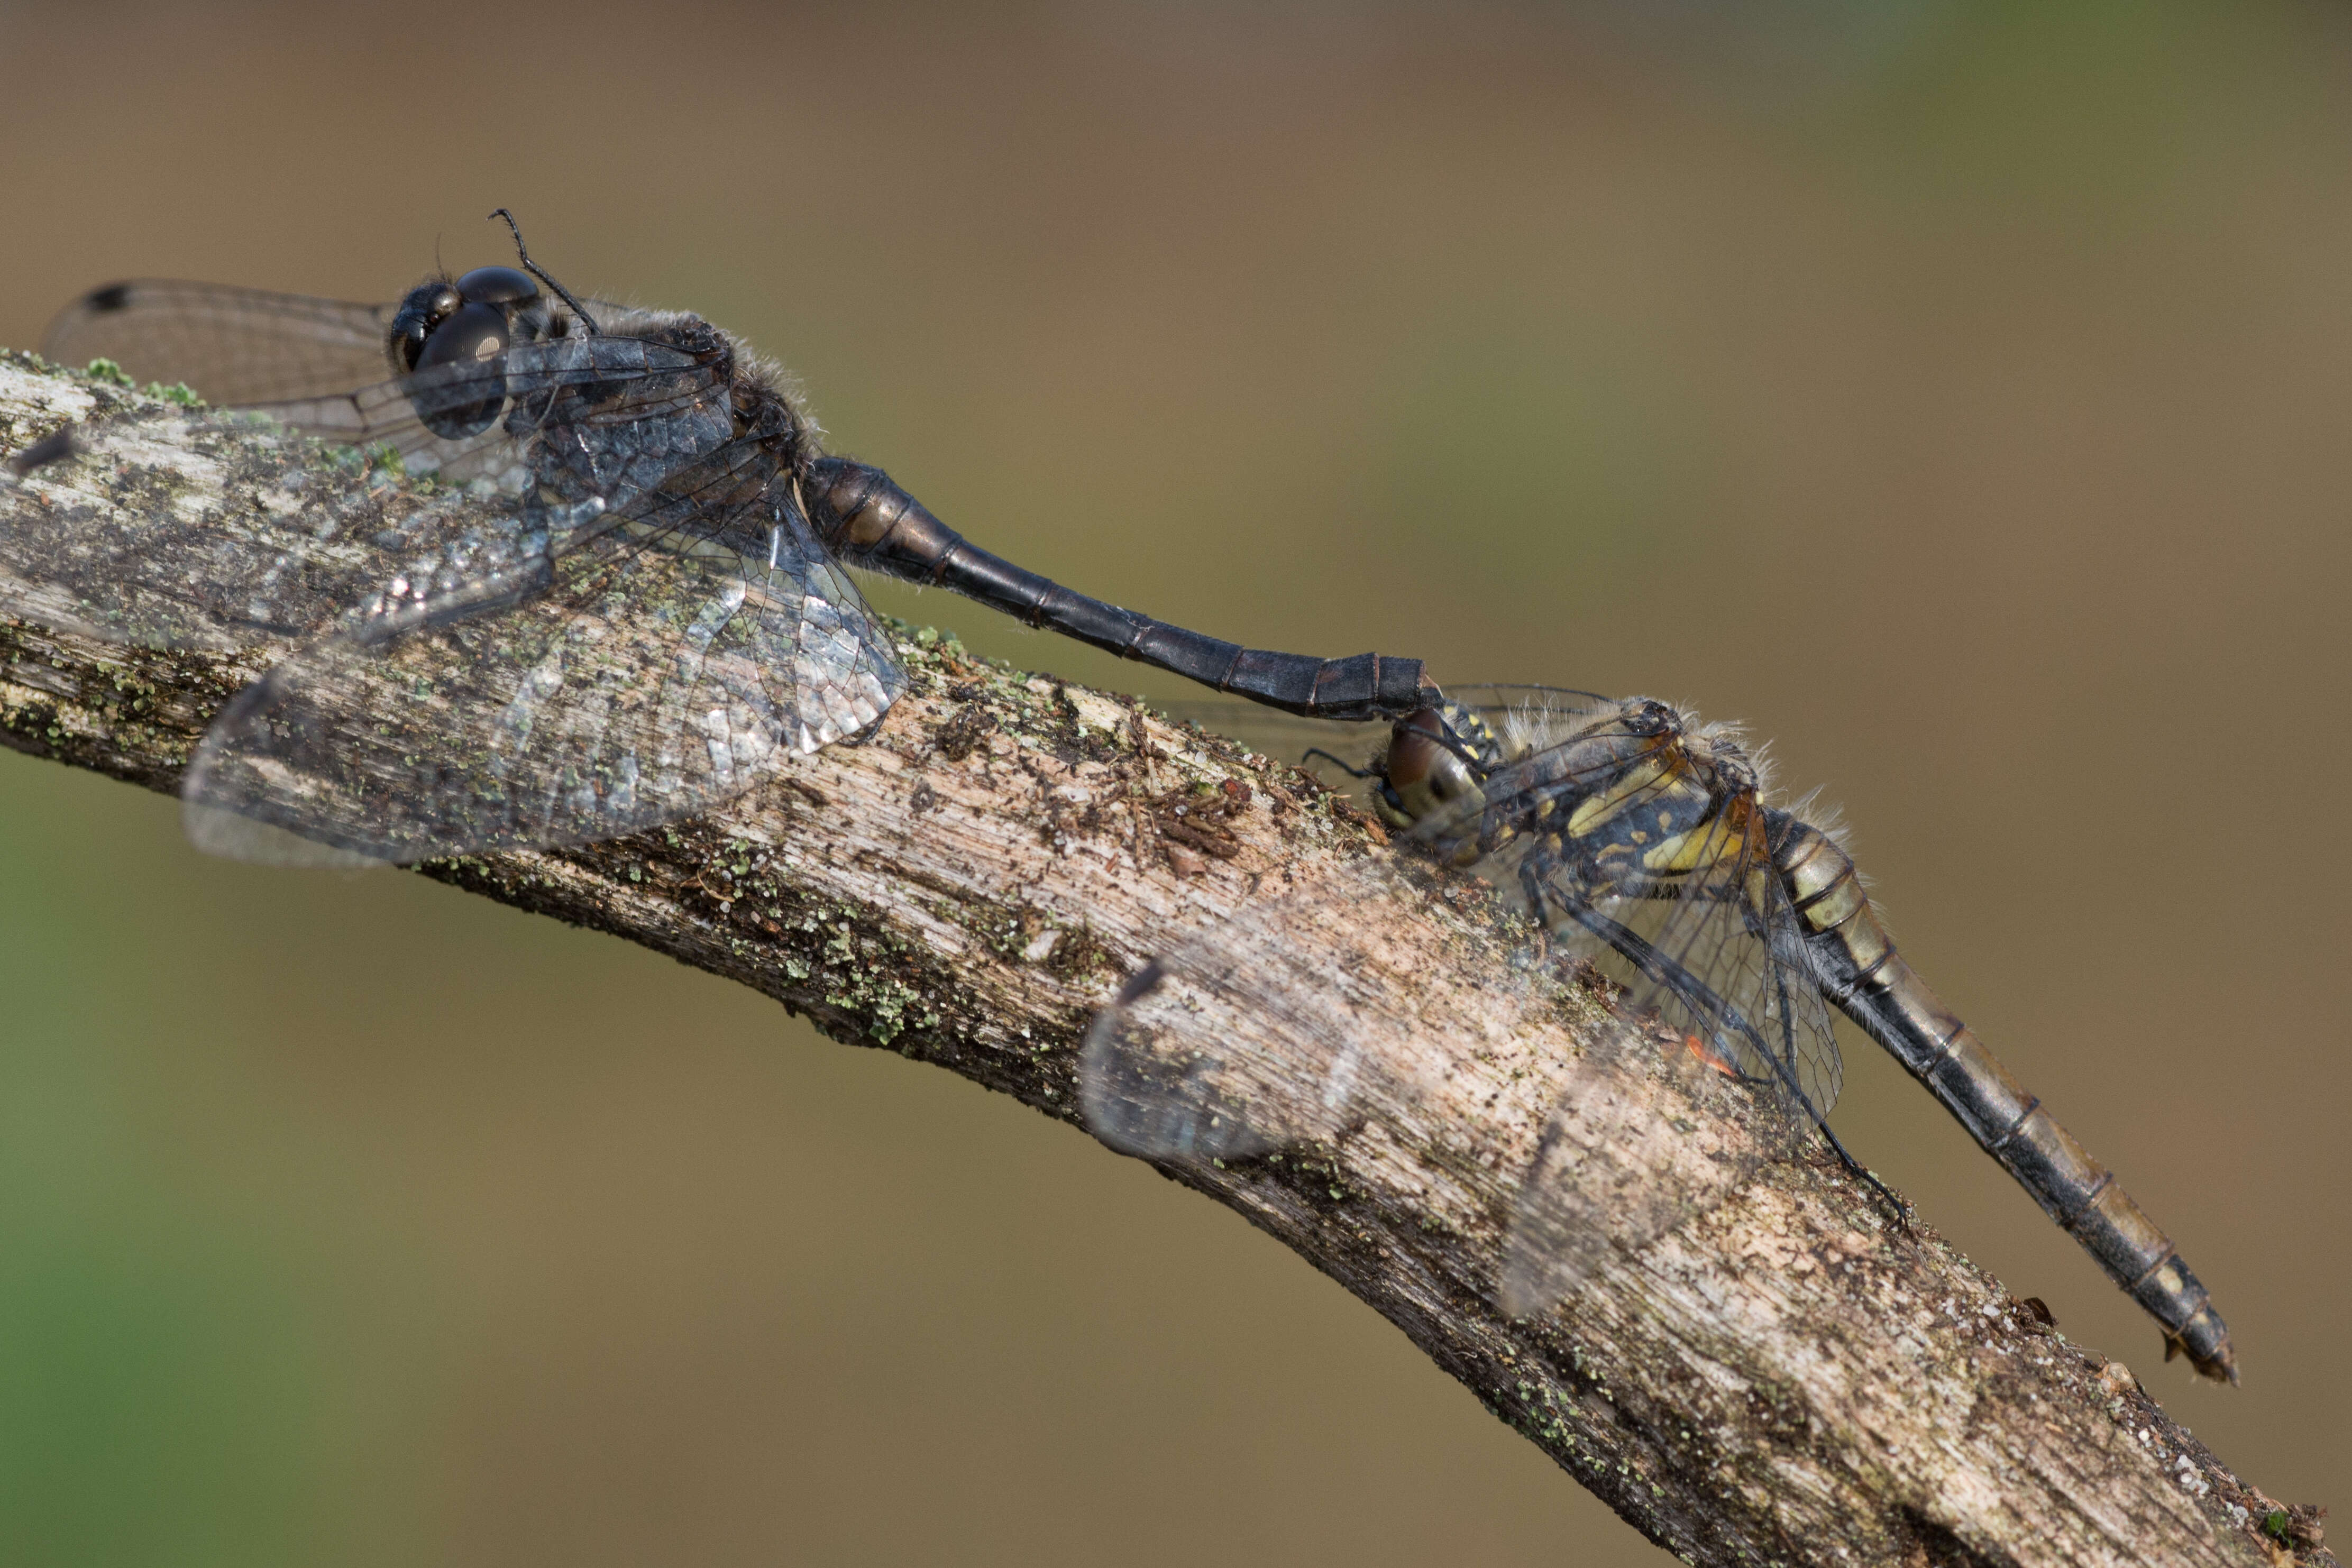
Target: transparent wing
[(1588, 754), (160, 575), (164, 567), (601, 416), (1640, 847), (1736, 988), (299, 360), (1724, 1061), (1646, 1137), (536, 698), (1276, 1027), (231, 345), (1288, 1024), (593, 428)]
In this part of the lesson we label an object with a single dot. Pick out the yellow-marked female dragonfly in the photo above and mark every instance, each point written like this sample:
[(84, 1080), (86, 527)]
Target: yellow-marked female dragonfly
[(1648, 843)]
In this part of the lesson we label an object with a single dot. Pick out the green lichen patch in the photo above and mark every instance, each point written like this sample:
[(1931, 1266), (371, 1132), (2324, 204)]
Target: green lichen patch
[(934, 659), (35, 726), (31, 363)]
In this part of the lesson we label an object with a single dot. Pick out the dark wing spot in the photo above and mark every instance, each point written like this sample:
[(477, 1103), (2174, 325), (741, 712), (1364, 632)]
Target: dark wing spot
[(54, 447), (1144, 981), (113, 297)]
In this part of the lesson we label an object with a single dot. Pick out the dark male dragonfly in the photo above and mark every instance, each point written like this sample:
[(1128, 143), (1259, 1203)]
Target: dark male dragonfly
[(656, 619)]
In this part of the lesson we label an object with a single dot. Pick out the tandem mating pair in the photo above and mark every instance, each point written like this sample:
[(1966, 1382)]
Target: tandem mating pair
[(656, 618)]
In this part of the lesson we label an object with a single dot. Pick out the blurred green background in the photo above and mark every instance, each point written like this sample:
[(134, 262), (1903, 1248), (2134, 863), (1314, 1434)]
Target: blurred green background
[(1958, 393)]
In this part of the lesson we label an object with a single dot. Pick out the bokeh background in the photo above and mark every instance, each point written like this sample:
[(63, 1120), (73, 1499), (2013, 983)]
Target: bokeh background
[(1959, 393)]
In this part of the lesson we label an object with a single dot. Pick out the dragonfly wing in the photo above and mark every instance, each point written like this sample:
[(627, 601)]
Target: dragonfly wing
[(1663, 873), (600, 417), (597, 427), (1722, 1060), (1637, 861), (230, 345), (546, 699), (1731, 976), (299, 360), (1279, 1025), (1654, 869), (1645, 1138), (174, 566)]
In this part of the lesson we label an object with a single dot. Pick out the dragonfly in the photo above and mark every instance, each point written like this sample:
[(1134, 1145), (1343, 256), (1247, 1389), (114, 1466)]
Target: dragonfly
[(1649, 847), (654, 617)]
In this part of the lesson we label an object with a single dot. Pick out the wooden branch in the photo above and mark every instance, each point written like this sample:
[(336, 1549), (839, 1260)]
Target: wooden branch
[(1787, 1379)]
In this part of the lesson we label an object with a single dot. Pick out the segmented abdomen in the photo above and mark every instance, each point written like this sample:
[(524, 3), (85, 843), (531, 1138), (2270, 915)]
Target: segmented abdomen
[(1862, 972)]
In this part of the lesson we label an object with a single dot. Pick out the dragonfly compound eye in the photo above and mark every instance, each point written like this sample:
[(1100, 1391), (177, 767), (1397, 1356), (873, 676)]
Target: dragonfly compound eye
[(498, 285), (427, 306), (1422, 773), (456, 407)]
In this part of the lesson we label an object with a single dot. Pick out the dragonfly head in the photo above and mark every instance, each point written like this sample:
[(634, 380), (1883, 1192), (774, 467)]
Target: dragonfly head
[(1429, 766), (476, 317)]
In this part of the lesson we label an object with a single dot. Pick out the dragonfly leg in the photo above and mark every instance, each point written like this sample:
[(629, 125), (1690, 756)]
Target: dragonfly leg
[(1901, 1209), (1534, 871), (1315, 751)]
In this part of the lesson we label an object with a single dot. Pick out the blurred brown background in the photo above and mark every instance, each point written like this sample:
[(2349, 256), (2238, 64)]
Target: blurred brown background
[(1959, 393)]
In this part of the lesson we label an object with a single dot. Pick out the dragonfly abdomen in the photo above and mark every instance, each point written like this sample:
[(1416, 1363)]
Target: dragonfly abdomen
[(1860, 970), (870, 521)]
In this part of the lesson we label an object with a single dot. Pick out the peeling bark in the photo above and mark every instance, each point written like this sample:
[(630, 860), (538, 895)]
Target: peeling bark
[(1787, 1379)]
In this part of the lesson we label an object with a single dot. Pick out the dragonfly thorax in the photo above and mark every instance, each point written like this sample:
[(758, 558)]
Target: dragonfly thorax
[(1615, 797)]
